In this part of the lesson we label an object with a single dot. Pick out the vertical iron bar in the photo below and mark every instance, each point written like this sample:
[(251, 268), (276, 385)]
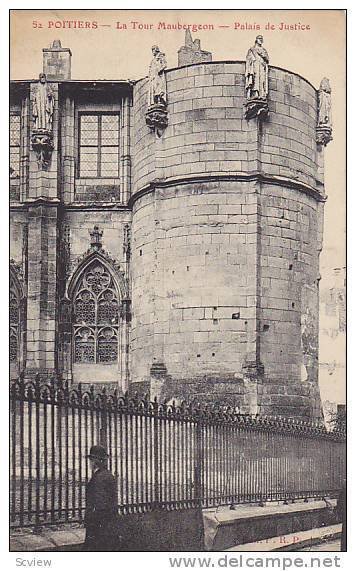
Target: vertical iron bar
[(116, 451), (178, 493), (53, 449), (38, 449), (30, 453), (60, 448), (45, 454), (132, 460), (22, 448), (127, 497), (80, 457), (136, 452), (156, 466), (13, 481), (146, 448), (73, 438), (142, 444), (66, 445)]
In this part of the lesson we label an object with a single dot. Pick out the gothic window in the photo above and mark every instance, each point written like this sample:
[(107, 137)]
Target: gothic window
[(15, 121), (15, 131), (14, 319), (98, 145), (95, 316)]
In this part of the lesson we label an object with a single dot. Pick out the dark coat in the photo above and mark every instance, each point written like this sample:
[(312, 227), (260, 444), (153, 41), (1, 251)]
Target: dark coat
[(101, 519)]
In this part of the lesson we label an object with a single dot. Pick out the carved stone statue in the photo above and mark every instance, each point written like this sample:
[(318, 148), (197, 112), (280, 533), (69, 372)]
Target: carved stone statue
[(256, 73), (157, 92), (42, 114), (43, 106), (157, 114), (324, 107), (324, 125)]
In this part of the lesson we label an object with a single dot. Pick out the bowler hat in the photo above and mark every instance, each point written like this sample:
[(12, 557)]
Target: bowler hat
[(97, 453)]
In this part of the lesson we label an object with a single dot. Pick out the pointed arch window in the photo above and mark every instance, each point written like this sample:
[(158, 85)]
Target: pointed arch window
[(14, 318), (96, 317)]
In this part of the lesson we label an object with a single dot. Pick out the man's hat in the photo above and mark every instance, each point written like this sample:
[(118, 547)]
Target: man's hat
[(97, 453)]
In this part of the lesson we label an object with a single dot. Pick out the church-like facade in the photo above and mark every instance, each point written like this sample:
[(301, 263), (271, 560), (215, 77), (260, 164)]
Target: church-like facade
[(166, 232)]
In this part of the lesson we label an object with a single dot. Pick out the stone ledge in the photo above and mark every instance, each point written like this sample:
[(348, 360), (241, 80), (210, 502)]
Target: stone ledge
[(293, 542), (251, 523), (223, 176)]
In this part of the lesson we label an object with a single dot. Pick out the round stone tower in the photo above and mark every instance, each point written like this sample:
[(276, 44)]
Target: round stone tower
[(226, 236)]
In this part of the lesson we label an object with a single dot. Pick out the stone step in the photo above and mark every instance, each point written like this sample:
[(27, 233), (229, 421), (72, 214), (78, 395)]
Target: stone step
[(293, 541), (247, 524)]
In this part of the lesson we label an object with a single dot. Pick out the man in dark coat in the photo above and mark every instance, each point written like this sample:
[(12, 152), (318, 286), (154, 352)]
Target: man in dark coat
[(101, 519)]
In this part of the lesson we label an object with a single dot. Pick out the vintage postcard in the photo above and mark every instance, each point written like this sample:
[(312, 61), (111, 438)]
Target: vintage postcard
[(177, 280)]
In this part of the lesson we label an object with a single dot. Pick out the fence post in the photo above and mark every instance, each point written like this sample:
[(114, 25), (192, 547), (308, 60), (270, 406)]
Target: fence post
[(198, 468), (37, 448), (13, 483), (103, 436), (156, 467)]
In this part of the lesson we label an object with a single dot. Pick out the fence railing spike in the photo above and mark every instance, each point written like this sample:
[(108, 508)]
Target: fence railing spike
[(159, 459)]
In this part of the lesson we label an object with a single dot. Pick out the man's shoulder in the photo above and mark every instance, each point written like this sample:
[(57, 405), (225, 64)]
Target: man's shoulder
[(104, 475)]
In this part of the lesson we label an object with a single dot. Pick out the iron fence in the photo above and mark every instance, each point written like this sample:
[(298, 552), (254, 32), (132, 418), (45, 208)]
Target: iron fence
[(162, 455)]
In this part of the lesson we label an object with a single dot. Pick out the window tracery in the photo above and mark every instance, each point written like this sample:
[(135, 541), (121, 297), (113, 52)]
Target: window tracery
[(95, 316)]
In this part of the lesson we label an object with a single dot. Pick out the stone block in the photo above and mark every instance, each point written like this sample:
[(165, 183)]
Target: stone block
[(224, 79)]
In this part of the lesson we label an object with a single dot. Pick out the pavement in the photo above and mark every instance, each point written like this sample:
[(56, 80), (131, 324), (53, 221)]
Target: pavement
[(55, 538), (325, 546), (70, 537)]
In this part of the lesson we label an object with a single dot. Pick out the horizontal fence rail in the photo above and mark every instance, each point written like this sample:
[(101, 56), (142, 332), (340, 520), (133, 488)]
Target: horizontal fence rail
[(162, 455)]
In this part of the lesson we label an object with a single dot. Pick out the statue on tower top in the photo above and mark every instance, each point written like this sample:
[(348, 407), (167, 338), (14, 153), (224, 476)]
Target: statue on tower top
[(324, 124), (157, 114), (157, 92), (324, 115), (256, 74), (256, 80)]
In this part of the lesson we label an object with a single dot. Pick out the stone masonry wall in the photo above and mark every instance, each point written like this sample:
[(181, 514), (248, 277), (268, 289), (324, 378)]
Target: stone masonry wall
[(288, 144), (18, 225), (227, 231), (227, 219), (290, 247), (76, 226), (80, 222), (193, 268)]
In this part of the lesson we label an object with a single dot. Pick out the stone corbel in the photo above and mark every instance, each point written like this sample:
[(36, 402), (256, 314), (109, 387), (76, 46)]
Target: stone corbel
[(256, 108), (42, 144), (157, 118), (323, 135)]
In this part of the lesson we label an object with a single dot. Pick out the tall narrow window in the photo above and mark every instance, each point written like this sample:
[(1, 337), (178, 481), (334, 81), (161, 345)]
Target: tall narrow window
[(15, 131), (99, 145), (14, 319), (96, 317)]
